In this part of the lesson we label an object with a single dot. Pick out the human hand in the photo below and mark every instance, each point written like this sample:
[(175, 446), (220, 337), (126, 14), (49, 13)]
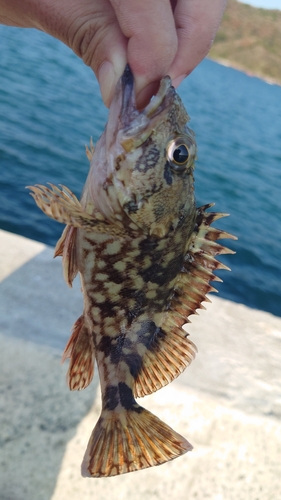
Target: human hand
[(156, 37), (164, 37)]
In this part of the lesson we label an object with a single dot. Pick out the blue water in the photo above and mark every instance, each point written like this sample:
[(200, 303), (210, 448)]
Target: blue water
[(50, 105)]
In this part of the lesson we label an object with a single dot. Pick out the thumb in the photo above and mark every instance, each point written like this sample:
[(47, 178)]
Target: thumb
[(150, 30), (98, 40)]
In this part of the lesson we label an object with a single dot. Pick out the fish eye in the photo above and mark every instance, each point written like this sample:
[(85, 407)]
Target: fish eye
[(180, 152)]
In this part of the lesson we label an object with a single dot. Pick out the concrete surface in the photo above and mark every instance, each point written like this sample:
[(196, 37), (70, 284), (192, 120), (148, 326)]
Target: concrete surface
[(227, 403)]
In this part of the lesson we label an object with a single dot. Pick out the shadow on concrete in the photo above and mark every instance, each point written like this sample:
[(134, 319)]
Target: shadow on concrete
[(38, 413), (37, 305)]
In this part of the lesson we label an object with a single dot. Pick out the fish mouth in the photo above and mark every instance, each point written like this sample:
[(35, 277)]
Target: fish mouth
[(134, 121), (128, 106)]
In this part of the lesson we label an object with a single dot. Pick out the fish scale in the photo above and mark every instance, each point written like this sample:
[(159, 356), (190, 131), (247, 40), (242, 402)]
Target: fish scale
[(145, 255)]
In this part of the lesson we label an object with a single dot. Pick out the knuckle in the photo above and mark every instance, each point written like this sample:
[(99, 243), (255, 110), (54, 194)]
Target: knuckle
[(89, 42)]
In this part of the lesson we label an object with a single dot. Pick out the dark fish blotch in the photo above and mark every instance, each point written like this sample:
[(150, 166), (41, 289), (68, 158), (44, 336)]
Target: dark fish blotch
[(116, 276), (149, 334), (131, 207), (115, 356), (108, 344), (175, 266), (155, 273), (105, 345), (167, 173), (111, 397), (148, 245), (149, 158), (116, 348), (157, 256), (163, 274), (134, 362), (140, 303), (131, 315), (146, 332), (127, 399), (107, 308), (159, 334), (128, 292)]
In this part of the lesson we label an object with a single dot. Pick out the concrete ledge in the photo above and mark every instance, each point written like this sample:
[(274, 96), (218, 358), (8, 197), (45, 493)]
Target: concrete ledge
[(227, 403)]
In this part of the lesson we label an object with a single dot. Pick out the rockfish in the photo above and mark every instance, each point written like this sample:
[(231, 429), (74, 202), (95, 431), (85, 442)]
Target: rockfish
[(145, 255)]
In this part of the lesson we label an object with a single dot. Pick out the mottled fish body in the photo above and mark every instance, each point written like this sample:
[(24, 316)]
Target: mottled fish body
[(146, 256)]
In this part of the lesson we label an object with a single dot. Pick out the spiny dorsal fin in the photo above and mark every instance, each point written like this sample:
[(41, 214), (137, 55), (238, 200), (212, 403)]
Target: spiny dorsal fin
[(80, 350), (66, 247), (172, 352)]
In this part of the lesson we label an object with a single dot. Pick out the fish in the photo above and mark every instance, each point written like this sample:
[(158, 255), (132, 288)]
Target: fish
[(145, 255)]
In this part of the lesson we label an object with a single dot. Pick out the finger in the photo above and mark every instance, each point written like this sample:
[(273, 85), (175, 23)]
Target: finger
[(99, 41), (196, 22), (152, 40)]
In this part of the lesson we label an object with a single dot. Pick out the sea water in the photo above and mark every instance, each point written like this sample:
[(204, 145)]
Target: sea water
[(50, 105)]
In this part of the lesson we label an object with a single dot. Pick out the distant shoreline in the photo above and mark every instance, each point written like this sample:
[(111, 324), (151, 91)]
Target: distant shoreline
[(230, 64)]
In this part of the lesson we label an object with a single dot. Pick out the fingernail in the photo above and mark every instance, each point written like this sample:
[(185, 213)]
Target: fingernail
[(176, 81), (109, 74), (107, 81)]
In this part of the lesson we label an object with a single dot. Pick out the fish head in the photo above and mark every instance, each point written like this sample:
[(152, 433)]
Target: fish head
[(148, 160)]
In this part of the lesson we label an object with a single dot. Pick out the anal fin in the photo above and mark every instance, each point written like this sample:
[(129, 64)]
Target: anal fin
[(168, 356), (80, 350)]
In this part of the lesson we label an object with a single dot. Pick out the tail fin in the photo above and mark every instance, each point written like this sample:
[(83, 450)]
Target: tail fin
[(129, 440)]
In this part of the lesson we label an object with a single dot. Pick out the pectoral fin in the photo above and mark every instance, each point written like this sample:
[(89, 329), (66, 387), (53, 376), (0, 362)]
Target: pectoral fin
[(66, 247), (63, 206)]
